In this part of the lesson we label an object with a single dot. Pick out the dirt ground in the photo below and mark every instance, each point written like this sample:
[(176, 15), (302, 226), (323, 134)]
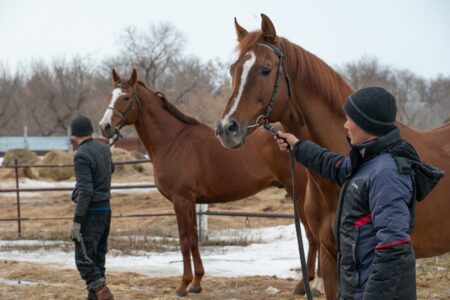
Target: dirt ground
[(21, 280)]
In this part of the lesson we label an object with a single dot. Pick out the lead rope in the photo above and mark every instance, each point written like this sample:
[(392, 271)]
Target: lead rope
[(272, 130), (117, 135), (299, 232)]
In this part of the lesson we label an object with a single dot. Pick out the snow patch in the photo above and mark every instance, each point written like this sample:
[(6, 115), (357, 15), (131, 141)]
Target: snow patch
[(276, 255), (17, 282)]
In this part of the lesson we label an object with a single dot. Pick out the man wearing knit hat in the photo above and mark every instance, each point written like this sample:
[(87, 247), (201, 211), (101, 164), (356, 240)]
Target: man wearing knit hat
[(92, 218), (375, 213)]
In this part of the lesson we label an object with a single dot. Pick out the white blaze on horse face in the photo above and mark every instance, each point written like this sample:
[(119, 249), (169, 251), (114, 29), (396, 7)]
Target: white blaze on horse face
[(245, 70), (116, 93)]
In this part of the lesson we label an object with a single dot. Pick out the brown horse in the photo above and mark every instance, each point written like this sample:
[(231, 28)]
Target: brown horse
[(191, 166), (309, 104)]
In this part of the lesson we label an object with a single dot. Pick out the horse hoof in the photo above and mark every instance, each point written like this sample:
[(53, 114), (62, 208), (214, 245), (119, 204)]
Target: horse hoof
[(315, 292), (195, 289), (299, 290), (181, 293)]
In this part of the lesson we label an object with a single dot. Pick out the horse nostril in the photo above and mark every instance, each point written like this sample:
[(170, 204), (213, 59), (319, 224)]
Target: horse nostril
[(232, 127), (107, 127), (219, 130)]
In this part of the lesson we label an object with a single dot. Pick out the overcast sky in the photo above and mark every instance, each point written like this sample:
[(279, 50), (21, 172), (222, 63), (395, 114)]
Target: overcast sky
[(410, 34)]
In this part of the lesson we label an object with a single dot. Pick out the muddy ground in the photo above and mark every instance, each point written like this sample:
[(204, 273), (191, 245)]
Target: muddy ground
[(21, 280)]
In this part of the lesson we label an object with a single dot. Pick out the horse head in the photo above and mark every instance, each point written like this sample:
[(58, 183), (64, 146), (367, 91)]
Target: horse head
[(259, 79), (123, 105)]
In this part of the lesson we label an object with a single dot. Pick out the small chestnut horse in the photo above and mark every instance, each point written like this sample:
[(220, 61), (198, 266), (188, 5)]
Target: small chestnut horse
[(309, 96), (191, 166)]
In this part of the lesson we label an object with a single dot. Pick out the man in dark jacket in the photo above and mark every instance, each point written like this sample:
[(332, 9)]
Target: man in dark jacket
[(91, 222), (375, 215)]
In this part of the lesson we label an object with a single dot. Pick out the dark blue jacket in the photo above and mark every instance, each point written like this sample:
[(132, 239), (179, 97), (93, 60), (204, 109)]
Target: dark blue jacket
[(374, 218)]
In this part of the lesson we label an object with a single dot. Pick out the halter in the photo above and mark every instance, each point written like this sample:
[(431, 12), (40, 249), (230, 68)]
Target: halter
[(124, 116), (269, 108)]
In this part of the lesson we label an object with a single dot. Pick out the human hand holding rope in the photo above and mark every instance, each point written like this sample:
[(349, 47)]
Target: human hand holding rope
[(285, 140)]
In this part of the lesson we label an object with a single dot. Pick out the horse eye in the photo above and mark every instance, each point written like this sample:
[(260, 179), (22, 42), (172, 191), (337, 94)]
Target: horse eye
[(126, 98), (265, 71)]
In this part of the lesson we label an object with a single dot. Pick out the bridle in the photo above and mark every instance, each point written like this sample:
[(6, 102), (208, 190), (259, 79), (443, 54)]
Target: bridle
[(123, 116), (270, 105)]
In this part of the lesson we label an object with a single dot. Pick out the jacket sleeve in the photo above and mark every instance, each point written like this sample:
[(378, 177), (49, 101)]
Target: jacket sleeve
[(390, 194), (330, 165), (83, 174)]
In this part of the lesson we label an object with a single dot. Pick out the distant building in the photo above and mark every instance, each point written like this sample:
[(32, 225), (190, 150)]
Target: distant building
[(38, 144), (43, 144)]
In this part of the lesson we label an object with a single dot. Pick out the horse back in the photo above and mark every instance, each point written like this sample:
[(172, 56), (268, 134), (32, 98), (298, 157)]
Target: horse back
[(433, 145)]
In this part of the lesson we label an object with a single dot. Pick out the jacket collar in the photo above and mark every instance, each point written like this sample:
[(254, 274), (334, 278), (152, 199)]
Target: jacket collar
[(363, 152), (379, 145), (86, 141)]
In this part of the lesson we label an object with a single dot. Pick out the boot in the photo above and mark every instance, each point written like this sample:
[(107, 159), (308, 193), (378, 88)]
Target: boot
[(103, 293), (91, 295)]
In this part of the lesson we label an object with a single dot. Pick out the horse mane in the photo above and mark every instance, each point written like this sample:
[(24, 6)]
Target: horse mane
[(307, 68), (170, 107)]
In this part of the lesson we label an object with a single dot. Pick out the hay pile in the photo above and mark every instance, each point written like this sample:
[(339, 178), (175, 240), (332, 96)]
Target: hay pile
[(55, 157), (132, 170), (59, 157), (24, 157)]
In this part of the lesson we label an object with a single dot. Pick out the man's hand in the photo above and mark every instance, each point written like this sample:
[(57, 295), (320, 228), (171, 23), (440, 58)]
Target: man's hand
[(75, 232), (285, 140), (75, 194)]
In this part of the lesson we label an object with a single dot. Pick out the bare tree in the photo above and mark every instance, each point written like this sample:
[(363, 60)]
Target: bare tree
[(421, 103), (56, 95), (10, 88), (152, 51), (201, 89), (367, 72)]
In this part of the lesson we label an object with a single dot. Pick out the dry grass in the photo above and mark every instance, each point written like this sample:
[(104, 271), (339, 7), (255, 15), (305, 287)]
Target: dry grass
[(130, 235)]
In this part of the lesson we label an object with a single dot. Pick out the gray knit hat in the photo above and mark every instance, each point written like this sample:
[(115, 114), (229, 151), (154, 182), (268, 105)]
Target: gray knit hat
[(373, 109)]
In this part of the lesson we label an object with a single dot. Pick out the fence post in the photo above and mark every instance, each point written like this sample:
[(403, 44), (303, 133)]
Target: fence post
[(202, 221), (19, 224)]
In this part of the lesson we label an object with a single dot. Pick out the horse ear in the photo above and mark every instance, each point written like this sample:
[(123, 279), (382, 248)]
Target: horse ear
[(240, 31), (115, 77), (133, 77), (268, 29)]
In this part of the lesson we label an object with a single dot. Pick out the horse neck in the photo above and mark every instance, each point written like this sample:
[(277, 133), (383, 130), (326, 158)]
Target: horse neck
[(156, 127), (318, 95)]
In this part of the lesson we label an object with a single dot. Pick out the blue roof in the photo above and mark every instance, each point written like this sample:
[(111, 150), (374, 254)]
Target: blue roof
[(35, 143)]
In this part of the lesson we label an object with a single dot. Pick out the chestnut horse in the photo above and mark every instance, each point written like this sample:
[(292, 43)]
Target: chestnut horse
[(309, 96), (191, 166)]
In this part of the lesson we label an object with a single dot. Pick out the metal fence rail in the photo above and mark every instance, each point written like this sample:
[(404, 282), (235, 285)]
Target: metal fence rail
[(128, 162), (18, 190), (20, 219), (168, 214)]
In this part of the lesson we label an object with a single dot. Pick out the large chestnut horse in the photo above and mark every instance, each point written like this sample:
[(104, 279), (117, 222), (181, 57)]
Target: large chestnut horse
[(191, 166), (309, 96)]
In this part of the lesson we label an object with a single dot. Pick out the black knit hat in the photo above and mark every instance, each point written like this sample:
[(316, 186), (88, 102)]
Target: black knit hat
[(373, 109), (81, 126)]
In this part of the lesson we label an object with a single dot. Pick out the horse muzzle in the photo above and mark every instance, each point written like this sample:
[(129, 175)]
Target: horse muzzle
[(107, 130), (230, 134)]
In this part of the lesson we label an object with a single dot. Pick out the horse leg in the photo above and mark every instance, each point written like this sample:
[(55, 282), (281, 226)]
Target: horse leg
[(195, 286), (310, 266), (185, 228), (328, 270)]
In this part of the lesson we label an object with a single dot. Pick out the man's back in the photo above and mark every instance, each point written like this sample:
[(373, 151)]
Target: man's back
[(93, 168)]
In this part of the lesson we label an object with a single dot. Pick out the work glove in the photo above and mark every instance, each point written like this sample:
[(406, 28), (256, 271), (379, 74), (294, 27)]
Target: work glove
[(75, 234)]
